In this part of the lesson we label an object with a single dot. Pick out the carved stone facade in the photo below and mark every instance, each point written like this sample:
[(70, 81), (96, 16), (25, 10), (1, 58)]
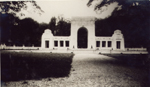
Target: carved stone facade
[(114, 42)]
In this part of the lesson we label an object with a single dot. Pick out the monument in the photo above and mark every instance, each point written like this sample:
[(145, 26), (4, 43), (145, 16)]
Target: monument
[(82, 37)]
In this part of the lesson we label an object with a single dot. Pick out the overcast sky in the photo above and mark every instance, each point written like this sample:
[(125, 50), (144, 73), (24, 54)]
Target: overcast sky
[(67, 9)]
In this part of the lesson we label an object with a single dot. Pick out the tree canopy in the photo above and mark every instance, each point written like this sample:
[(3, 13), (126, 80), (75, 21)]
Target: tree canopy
[(124, 3), (12, 7), (132, 19), (16, 31), (27, 31)]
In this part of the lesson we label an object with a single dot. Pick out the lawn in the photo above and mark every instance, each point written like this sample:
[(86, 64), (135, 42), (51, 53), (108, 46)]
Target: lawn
[(29, 65), (133, 60), (87, 71)]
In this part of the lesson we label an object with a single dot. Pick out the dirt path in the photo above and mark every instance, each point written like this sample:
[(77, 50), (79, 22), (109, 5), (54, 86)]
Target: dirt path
[(93, 71)]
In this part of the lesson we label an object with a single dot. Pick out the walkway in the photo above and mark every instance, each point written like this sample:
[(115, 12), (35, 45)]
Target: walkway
[(103, 71)]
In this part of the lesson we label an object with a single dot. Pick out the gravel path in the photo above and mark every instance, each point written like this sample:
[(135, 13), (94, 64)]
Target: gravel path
[(92, 71)]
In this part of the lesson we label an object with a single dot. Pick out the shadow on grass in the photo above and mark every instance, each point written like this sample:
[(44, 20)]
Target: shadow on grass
[(28, 65), (133, 66), (132, 60)]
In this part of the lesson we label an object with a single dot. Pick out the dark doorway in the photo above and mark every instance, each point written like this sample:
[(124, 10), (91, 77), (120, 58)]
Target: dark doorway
[(46, 44), (109, 43), (118, 44), (56, 43), (103, 43), (97, 43), (61, 43), (67, 43), (82, 38)]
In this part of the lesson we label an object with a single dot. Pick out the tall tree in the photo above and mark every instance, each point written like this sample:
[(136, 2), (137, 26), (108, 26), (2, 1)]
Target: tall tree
[(25, 32), (9, 23), (15, 6), (123, 3), (39, 32), (132, 18), (52, 25), (63, 27)]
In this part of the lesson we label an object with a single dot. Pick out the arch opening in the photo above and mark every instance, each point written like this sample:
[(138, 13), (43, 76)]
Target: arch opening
[(82, 37)]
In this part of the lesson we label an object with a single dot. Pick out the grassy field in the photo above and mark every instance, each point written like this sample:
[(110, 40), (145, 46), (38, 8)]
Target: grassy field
[(82, 70), (29, 65), (133, 60)]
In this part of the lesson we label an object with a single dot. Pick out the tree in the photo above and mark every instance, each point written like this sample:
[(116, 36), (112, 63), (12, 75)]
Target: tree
[(63, 27), (15, 6), (39, 32), (7, 22), (133, 19), (11, 27), (124, 3), (52, 25), (25, 32)]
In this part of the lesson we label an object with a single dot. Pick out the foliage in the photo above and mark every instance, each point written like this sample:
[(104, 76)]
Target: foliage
[(124, 3), (25, 32), (16, 6), (133, 19), (132, 25), (6, 26), (30, 65), (63, 28), (52, 25), (16, 31)]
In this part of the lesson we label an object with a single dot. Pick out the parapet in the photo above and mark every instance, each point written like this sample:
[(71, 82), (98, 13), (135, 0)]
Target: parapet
[(88, 18)]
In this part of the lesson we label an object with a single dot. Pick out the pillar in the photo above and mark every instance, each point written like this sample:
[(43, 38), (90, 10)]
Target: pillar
[(58, 43), (100, 44), (106, 44), (122, 44), (64, 43)]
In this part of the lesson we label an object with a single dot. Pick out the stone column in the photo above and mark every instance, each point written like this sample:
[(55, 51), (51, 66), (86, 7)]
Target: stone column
[(51, 43), (106, 44), (43, 43), (122, 44), (64, 43), (100, 44), (58, 43)]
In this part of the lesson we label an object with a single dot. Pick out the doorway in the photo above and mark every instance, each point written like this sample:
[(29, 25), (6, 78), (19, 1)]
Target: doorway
[(118, 44), (82, 38), (46, 44)]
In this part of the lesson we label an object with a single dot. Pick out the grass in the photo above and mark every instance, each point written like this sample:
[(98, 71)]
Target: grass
[(138, 64), (134, 60), (93, 71), (29, 65)]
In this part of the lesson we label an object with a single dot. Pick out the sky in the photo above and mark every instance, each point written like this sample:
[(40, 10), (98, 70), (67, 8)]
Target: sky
[(67, 9)]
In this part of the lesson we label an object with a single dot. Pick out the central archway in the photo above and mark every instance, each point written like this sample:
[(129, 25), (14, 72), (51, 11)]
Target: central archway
[(82, 37)]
